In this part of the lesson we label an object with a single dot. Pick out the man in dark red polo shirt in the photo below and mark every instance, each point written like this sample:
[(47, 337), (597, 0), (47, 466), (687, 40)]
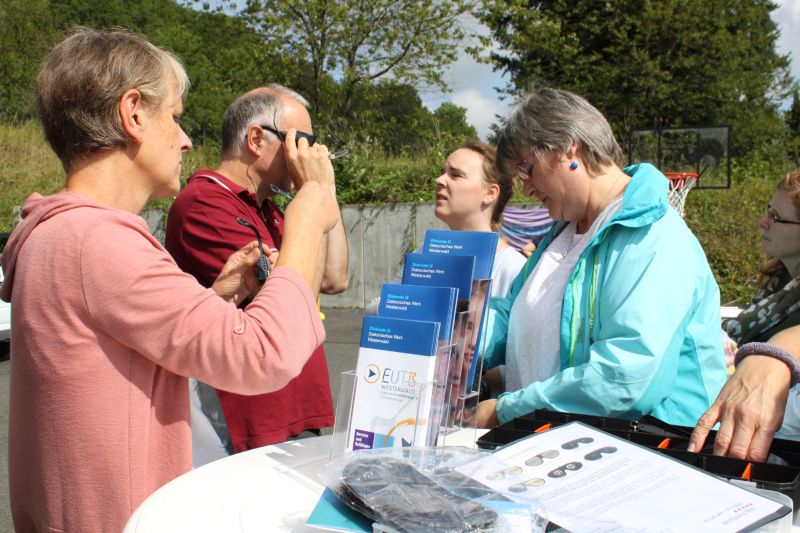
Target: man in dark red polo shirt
[(221, 210)]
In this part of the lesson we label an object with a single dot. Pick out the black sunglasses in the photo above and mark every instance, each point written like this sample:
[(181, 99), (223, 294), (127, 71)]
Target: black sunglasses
[(263, 268), (310, 137)]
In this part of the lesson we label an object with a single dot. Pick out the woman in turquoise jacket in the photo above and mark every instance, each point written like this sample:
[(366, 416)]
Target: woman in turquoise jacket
[(617, 312)]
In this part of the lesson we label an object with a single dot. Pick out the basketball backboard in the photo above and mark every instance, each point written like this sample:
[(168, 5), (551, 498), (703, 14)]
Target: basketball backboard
[(704, 151)]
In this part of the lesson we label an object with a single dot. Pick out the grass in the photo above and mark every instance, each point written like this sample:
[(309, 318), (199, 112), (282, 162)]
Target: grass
[(28, 165)]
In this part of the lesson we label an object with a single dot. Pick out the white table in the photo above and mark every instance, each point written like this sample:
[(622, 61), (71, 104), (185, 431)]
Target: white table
[(269, 489), (273, 489)]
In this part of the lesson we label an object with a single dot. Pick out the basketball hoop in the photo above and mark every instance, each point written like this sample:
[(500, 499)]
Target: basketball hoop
[(680, 183)]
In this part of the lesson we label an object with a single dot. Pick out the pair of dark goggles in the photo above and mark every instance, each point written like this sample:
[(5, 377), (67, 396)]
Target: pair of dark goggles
[(310, 137)]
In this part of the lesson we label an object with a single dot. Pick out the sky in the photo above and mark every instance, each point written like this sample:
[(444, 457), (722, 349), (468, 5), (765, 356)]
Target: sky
[(473, 84)]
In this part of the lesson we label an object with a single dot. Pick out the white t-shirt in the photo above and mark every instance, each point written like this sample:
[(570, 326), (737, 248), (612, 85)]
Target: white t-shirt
[(507, 264), (533, 350)]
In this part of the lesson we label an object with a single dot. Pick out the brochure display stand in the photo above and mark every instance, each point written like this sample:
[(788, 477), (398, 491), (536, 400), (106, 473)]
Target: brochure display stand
[(441, 407), (410, 425), (419, 374)]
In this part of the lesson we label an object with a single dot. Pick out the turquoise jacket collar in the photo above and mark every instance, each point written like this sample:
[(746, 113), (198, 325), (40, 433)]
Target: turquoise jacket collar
[(643, 202)]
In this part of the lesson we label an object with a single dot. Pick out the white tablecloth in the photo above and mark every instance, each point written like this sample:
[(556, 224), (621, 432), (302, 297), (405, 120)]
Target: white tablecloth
[(269, 489), (272, 489)]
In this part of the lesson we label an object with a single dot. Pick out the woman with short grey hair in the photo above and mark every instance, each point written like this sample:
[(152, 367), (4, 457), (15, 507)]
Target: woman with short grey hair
[(617, 312), (106, 326)]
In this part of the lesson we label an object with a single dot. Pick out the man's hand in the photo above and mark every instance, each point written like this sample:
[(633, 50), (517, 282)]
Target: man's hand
[(487, 414), (237, 280), (749, 409), (307, 163)]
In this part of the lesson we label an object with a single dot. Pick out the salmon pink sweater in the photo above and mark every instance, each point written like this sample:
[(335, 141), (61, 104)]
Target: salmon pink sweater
[(106, 329)]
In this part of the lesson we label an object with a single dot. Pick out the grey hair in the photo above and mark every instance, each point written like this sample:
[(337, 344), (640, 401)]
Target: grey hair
[(260, 106), (553, 120), (82, 79)]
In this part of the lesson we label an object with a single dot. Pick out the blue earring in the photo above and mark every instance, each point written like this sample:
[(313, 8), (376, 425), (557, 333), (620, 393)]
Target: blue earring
[(573, 165)]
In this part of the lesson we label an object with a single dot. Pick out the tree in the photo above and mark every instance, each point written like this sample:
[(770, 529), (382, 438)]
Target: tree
[(360, 42), (222, 55), (451, 120), (793, 115), (651, 63)]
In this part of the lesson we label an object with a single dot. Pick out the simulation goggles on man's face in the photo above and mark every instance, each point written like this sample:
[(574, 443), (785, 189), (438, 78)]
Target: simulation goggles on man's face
[(310, 137)]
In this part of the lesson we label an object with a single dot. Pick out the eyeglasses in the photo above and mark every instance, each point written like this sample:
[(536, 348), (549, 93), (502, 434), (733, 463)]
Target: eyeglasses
[(310, 137), (775, 217), (525, 167), (263, 267)]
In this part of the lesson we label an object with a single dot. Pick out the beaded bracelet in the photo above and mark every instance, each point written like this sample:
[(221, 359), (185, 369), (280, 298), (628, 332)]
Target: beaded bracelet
[(770, 350)]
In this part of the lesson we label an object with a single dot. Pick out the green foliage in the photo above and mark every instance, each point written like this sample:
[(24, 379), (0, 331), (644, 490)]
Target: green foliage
[(652, 63), (450, 119), (792, 119), (28, 165), (26, 33), (363, 41), (391, 115), (723, 220), (726, 224), (793, 115), (223, 56)]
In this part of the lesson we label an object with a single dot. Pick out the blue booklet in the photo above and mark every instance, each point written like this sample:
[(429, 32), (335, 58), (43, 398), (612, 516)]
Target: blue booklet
[(480, 244), (394, 388), (483, 246), (417, 302), (433, 270)]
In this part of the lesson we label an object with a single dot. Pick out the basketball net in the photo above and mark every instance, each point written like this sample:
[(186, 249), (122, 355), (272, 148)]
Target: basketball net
[(680, 183)]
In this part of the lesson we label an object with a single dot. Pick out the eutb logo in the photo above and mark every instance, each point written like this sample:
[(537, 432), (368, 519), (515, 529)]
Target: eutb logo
[(372, 373)]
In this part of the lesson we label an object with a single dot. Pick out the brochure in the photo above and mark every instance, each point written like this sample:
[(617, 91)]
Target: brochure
[(483, 246), (480, 244), (589, 480), (394, 387), (441, 271), (416, 302)]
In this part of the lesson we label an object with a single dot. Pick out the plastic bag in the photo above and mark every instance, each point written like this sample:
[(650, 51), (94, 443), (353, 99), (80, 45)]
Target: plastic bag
[(420, 490)]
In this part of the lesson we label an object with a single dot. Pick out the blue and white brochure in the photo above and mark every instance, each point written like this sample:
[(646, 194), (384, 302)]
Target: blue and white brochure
[(395, 372), (483, 246), (416, 302), (434, 270), (480, 244)]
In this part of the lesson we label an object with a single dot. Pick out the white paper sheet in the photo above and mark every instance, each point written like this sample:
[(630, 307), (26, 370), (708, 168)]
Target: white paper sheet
[(589, 480)]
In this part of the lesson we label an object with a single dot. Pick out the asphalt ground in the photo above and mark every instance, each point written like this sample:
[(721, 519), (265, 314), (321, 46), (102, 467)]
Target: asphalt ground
[(343, 328)]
